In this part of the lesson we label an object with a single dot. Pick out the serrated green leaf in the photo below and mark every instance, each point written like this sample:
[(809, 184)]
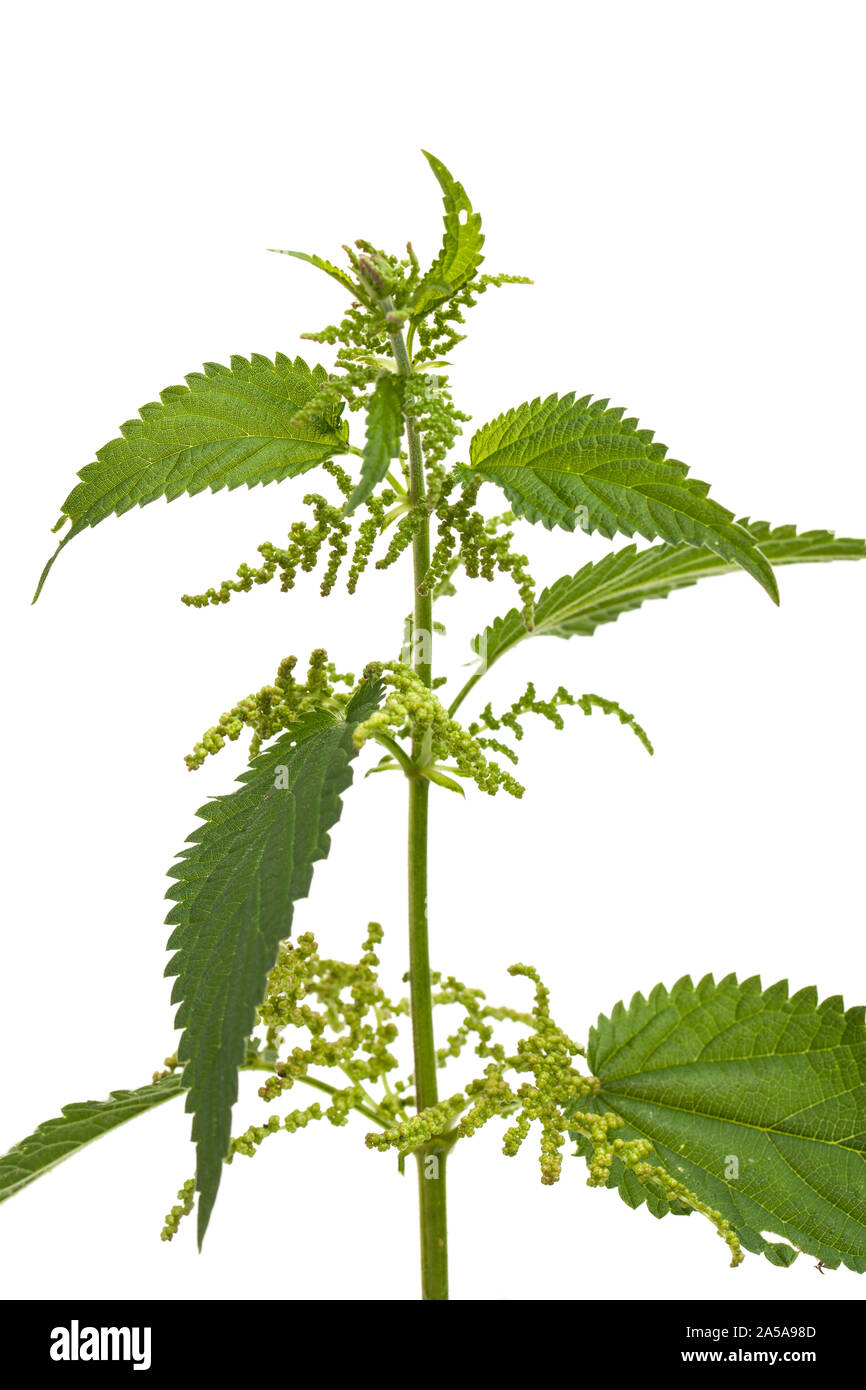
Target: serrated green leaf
[(568, 462), (236, 888), (620, 582), (755, 1100), (384, 432), (248, 423), (77, 1126), (460, 255)]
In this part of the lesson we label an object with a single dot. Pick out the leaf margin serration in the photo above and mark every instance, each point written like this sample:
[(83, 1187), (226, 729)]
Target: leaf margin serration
[(316, 439), (460, 254), (211, 1077), (625, 1023), (384, 430), (818, 546), (633, 488), (119, 1108)]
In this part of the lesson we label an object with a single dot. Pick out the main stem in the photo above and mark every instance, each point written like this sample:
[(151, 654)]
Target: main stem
[(431, 1158)]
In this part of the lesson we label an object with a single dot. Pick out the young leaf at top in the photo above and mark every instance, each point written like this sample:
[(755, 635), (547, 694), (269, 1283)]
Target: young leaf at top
[(568, 462), (755, 1100), (237, 885), (620, 582), (384, 432), (460, 255), (76, 1127), (250, 423)]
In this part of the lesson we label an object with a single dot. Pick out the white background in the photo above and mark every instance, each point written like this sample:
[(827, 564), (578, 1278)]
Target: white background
[(684, 184)]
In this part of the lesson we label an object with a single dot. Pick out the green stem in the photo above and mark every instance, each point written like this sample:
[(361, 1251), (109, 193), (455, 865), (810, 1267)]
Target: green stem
[(431, 1158), (461, 696), (398, 754)]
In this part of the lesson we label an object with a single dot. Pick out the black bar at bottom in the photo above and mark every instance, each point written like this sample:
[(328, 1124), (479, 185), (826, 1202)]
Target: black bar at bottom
[(617, 1338)]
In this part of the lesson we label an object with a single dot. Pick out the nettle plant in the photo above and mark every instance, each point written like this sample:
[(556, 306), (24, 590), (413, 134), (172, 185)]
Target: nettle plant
[(745, 1104)]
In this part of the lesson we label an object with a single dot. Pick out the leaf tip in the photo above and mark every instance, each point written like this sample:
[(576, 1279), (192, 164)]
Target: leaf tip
[(45, 573), (205, 1207)]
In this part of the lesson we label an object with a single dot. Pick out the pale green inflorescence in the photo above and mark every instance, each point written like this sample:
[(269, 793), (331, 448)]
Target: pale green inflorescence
[(326, 1016), (409, 704), (387, 290), (481, 546), (528, 703), (278, 706), (385, 287), (186, 1195), (330, 528)]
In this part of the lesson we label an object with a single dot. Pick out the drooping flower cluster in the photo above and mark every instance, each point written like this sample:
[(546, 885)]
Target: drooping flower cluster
[(410, 707), (552, 1099), (277, 707), (438, 333), (323, 1017), (481, 546), (602, 1152), (528, 703), (352, 1029), (546, 1056), (384, 290), (330, 530)]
